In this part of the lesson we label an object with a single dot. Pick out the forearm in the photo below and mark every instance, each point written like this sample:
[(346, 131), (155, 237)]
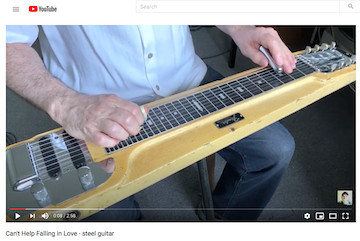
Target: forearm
[(28, 77)]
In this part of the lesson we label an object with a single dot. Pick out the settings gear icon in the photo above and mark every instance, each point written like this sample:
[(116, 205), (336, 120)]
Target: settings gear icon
[(307, 216)]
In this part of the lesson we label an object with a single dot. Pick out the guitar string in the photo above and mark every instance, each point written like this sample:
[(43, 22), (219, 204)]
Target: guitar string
[(250, 88), (53, 167), (61, 154), (72, 158), (83, 144), (259, 77), (267, 72), (67, 152), (64, 165)]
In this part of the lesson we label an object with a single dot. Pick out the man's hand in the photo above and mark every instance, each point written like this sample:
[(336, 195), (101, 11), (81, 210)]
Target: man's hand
[(250, 38), (102, 119)]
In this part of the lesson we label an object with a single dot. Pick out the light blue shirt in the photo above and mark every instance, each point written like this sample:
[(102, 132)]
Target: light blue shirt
[(137, 63)]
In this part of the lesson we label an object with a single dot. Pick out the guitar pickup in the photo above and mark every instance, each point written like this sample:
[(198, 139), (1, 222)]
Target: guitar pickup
[(229, 120), (49, 157), (75, 151)]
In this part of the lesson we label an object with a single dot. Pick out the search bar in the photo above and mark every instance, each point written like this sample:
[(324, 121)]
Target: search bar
[(255, 6)]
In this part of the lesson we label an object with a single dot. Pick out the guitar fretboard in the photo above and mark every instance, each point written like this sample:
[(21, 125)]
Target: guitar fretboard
[(186, 109)]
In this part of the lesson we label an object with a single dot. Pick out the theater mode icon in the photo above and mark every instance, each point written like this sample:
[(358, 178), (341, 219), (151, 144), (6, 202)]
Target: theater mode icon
[(33, 8)]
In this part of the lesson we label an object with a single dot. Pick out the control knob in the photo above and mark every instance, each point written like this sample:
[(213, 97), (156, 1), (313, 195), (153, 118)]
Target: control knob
[(40, 194)]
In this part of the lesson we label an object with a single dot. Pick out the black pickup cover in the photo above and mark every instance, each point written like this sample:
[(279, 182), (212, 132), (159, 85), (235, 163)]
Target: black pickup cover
[(75, 152), (51, 162)]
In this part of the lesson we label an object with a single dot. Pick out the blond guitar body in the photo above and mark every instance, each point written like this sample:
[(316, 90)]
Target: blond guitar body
[(144, 163)]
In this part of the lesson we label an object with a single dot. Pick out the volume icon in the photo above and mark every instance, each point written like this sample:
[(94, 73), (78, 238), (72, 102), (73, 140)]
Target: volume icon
[(45, 216)]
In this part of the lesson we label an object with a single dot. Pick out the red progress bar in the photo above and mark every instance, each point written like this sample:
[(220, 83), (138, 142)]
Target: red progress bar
[(17, 209)]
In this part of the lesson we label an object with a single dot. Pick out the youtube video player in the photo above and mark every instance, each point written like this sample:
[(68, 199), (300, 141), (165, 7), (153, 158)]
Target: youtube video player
[(124, 116)]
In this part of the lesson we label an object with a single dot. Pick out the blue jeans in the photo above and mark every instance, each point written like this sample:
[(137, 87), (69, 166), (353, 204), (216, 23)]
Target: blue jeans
[(253, 170), (252, 173)]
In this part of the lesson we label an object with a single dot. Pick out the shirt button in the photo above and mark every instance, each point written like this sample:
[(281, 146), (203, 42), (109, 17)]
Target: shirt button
[(157, 87), (150, 55)]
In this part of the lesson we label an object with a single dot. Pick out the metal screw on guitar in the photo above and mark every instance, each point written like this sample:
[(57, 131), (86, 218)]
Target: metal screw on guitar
[(275, 67)]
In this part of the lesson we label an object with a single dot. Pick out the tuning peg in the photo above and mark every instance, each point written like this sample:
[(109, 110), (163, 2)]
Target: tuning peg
[(333, 45), (341, 63), (324, 46), (348, 61), (307, 50), (353, 58), (333, 67), (316, 48)]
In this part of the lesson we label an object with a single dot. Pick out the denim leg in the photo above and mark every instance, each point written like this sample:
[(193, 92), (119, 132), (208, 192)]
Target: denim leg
[(253, 171), (125, 210)]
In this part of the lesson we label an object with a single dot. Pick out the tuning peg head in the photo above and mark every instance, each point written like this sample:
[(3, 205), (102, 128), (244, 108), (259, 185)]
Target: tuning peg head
[(334, 67), (353, 58), (341, 63), (333, 45), (324, 46), (348, 61), (316, 48), (307, 50)]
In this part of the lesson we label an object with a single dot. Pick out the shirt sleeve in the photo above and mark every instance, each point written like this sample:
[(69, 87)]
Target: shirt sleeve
[(21, 34)]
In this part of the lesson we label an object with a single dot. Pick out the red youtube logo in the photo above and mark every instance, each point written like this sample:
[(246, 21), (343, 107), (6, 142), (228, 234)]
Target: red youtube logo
[(33, 8)]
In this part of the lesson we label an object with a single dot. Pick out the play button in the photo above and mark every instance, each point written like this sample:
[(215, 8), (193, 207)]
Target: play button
[(17, 216)]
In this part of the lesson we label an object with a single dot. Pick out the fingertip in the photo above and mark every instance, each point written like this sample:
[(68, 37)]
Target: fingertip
[(104, 140), (288, 69), (108, 165), (146, 109), (110, 143)]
